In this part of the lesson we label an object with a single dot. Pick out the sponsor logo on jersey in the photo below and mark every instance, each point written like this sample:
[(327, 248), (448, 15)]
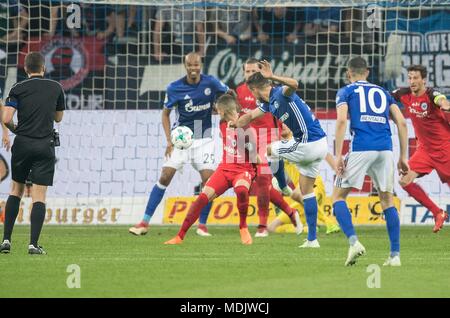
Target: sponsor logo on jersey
[(419, 114), (189, 107), (284, 117), (230, 150), (373, 119)]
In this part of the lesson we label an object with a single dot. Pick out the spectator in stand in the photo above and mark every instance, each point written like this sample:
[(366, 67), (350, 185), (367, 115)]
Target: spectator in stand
[(125, 22), (321, 20), (13, 19), (99, 20), (279, 22), (231, 24), (187, 30), (42, 17)]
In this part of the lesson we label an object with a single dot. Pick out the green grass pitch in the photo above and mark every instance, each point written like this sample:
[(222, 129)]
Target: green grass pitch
[(114, 263)]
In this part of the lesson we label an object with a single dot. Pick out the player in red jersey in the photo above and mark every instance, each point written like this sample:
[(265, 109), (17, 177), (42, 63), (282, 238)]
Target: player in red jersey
[(236, 170), (268, 129), (429, 111)]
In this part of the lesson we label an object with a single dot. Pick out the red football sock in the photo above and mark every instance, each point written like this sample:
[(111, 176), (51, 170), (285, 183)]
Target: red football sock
[(277, 199), (263, 198), (242, 203), (193, 214), (419, 194)]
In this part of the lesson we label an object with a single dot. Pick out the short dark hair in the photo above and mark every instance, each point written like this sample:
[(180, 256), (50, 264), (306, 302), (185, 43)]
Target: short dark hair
[(250, 60), (34, 62), (418, 68), (357, 65), (256, 80)]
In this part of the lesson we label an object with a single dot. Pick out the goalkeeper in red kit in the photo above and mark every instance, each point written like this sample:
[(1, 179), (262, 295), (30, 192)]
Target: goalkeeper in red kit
[(236, 170), (429, 111)]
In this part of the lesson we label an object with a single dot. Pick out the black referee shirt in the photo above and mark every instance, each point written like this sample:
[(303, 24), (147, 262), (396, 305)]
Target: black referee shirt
[(36, 100)]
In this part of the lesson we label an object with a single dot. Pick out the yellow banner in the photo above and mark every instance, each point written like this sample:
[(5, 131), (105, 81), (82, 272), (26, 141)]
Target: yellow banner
[(365, 210)]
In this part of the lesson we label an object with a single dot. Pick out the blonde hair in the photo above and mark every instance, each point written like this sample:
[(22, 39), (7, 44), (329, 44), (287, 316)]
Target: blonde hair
[(228, 104)]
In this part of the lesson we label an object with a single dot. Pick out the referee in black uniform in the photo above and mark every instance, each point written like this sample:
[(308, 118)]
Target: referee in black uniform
[(38, 102)]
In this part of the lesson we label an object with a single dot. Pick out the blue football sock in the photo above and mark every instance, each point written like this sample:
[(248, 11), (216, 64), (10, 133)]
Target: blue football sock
[(310, 204), (204, 214), (155, 198), (344, 219), (393, 228), (277, 168)]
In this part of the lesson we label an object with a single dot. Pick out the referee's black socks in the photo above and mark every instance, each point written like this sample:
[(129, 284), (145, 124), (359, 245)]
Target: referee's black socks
[(11, 211), (37, 220)]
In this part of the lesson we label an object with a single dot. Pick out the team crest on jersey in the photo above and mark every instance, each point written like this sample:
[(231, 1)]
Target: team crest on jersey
[(207, 91), (276, 105), (424, 106)]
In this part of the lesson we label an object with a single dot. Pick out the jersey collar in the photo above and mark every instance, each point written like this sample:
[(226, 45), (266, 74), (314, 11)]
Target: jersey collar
[(186, 82)]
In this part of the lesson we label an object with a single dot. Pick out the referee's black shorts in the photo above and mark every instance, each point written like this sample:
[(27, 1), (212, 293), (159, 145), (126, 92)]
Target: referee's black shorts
[(36, 156)]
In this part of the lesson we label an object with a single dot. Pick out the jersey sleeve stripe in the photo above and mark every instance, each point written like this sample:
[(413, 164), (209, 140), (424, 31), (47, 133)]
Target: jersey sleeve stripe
[(262, 109), (11, 103), (340, 104), (301, 122)]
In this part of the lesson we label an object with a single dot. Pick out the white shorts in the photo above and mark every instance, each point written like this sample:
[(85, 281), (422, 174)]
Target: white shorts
[(379, 165), (306, 156), (200, 155)]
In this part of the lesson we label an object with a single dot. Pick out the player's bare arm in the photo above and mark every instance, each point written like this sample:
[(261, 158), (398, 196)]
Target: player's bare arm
[(7, 118), (165, 118), (341, 126), (331, 162), (246, 119), (290, 84), (400, 121), (5, 134)]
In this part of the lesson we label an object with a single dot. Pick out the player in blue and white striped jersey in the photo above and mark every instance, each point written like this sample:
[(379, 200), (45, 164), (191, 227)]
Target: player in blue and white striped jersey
[(308, 146)]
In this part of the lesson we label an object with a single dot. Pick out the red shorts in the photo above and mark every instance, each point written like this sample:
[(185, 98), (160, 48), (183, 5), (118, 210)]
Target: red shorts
[(262, 181), (223, 179), (422, 163)]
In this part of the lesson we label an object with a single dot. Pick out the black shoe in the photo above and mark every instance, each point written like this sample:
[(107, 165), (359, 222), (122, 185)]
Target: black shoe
[(5, 247), (36, 250)]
